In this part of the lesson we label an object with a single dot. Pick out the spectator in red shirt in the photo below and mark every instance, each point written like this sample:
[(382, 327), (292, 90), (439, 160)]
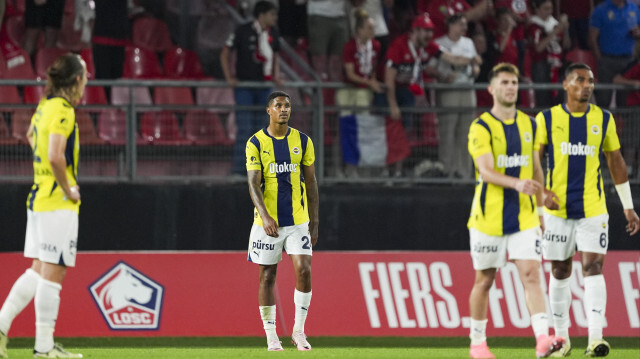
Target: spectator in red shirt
[(519, 13), (547, 38), (503, 39), (578, 12), (440, 10)]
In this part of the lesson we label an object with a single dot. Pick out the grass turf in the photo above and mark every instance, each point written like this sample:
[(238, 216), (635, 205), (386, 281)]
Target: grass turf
[(323, 347)]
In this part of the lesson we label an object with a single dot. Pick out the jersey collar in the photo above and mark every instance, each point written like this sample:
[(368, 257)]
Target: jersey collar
[(267, 133), (564, 107)]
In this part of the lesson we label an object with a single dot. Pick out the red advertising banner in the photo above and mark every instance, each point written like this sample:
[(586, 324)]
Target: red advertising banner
[(354, 294)]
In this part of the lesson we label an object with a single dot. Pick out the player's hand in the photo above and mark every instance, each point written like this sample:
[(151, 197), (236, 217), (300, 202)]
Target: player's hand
[(74, 194), (270, 226), (551, 200), (395, 112), (528, 187), (633, 222), (313, 232)]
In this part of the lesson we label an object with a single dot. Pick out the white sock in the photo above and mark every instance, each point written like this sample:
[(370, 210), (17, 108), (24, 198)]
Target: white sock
[(20, 295), (268, 315), (540, 324), (302, 302), (595, 304), (560, 302), (47, 303), (478, 331)]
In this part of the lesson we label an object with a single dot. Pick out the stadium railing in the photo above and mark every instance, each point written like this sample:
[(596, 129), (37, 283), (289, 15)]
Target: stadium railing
[(135, 139)]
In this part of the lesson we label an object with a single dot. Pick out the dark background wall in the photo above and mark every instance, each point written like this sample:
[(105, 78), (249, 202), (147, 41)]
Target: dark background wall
[(219, 217)]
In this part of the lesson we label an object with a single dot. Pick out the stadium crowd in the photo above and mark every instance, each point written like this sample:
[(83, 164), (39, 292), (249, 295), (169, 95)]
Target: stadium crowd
[(187, 40)]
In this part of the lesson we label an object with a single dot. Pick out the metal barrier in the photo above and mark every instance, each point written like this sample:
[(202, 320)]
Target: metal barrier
[(148, 133)]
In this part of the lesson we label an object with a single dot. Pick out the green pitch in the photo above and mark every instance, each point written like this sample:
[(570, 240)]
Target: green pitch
[(323, 347)]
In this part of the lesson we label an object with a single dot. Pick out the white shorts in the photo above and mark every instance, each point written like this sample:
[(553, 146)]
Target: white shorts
[(562, 235), (267, 250), (52, 237), (491, 251)]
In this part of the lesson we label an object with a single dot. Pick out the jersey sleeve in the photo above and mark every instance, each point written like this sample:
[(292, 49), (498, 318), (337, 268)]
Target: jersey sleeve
[(536, 135), (309, 154), (611, 141), (479, 140), (542, 130), (253, 157), (63, 123)]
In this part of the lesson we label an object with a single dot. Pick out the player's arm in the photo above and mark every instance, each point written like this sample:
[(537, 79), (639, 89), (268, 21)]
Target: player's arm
[(618, 169), (58, 161), (539, 177), (254, 178), (490, 175), (390, 82), (29, 136), (313, 201)]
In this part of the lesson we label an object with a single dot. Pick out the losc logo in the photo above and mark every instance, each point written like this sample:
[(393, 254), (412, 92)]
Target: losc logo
[(128, 299)]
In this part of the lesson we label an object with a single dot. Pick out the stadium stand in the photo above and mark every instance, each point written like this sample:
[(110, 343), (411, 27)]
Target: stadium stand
[(152, 34), (181, 63), (141, 63), (204, 128), (161, 128), (45, 57)]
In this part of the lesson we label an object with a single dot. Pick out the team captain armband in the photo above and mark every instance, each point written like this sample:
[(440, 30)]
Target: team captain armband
[(624, 192)]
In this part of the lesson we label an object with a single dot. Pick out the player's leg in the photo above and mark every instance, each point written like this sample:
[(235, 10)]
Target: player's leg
[(58, 234), (559, 247), (487, 253), (595, 302), (478, 304), (267, 252), (301, 299), (267, 305), (525, 250), (298, 246), (592, 243)]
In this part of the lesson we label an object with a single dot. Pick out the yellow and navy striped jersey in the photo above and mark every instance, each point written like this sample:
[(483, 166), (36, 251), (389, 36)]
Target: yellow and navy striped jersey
[(281, 161), (497, 210), (53, 116), (575, 142)]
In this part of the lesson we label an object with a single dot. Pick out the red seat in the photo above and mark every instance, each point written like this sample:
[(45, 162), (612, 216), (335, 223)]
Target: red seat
[(68, 37), (140, 63), (584, 56), (46, 57), (120, 95), (87, 130), (20, 122), (33, 94), (10, 95), (172, 96), (17, 65), (112, 126), (428, 135), (205, 128), (94, 95), (87, 56), (151, 33), (161, 128), (15, 28), (181, 63)]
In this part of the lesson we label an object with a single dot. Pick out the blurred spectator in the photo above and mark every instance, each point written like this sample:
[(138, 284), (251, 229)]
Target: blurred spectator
[(453, 126), (360, 58), (292, 20), (548, 38), (613, 33), (519, 10), (111, 33), (578, 12), (407, 60), (631, 129), (328, 32), (215, 20), (182, 18), (256, 46), (441, 10), (375, 9), (503, 40), (42, 15)]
